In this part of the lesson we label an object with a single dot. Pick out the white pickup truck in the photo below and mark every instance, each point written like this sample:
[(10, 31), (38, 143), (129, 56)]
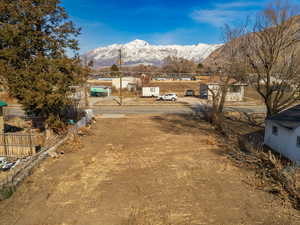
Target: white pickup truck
[(167, 97)]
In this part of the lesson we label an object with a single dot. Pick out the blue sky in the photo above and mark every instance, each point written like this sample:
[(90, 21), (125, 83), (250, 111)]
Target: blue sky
[(105, 22)]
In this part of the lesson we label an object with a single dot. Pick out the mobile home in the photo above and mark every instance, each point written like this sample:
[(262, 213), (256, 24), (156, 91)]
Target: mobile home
[(150, 91)]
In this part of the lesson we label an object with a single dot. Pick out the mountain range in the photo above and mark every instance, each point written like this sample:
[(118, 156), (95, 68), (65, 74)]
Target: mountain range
[(141, 52)]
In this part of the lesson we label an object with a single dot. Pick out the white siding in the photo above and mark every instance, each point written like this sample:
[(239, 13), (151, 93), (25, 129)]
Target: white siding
[(231, 96), (150, 91), (125, 82), (285, 142)]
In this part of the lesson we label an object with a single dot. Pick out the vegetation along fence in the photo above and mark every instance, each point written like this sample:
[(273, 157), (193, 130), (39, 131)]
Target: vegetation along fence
[(9, 181)]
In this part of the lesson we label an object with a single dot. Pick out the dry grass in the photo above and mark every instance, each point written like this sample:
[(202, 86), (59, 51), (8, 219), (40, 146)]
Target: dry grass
[(144, 170), (101, 83), (125, 92), (274, 174), (144, 216)]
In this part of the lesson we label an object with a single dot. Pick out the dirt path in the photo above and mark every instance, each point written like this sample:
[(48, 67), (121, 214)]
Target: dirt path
[(143, 170)]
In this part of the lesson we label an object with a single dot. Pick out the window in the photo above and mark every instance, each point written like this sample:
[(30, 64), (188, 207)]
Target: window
[(275, 130), (298, 141), (235, 89)]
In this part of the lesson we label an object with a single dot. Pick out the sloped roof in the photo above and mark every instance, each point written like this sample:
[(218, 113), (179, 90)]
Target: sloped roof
[(2, 103), (289, 118), (216, 79)]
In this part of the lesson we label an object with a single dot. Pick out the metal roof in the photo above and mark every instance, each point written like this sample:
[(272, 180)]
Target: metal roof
[(2, 103), (289, 118)]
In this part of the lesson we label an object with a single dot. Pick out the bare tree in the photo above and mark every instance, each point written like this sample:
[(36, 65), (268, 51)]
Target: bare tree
[(174, 64), (227, 71), (271, 50), (87, 68)]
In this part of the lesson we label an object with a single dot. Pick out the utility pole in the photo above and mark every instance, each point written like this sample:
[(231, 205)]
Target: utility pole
[(86, 98), (120, 74)]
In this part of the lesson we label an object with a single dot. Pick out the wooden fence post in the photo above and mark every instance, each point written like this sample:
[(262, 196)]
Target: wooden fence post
[(4, 144)]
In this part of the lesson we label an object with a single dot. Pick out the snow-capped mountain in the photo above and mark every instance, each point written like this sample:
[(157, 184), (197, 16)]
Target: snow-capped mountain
[(141, 52)]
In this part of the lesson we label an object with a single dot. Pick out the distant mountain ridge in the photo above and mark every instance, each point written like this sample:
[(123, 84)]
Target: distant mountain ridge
[(218, 55), (141, 52)]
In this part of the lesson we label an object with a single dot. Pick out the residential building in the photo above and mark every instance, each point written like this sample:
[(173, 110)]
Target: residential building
[(282, 133), (125, 81), (235, 92)]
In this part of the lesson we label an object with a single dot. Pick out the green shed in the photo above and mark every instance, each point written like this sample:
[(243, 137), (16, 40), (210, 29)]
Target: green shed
[(2, 104), (100, 91)]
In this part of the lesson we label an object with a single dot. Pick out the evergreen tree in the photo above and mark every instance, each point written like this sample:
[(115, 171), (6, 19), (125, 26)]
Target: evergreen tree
[(34, 38), (200, 66), (114, 68)]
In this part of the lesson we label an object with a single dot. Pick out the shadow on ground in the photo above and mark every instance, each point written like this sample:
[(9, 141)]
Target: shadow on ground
[(240, 136), (12, 128), (183, 124)]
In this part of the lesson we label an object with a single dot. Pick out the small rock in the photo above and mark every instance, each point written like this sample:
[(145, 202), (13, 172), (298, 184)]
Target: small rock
[(53, 154)]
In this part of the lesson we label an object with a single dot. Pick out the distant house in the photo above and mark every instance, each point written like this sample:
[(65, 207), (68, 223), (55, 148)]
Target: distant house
[(131, 81), (235, 92), (132, 86), (282, 133), (2, 105)]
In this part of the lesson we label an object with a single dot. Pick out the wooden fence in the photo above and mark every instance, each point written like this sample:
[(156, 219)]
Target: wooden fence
[(17, 145), (8, 183)]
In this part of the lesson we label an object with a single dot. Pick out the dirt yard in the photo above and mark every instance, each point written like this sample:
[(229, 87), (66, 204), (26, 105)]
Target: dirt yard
[(139, 170)]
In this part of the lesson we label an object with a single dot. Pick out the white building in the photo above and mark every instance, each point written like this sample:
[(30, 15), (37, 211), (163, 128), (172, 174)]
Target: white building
[(125, 81), (282, 133), (235, 92), (150, 91)]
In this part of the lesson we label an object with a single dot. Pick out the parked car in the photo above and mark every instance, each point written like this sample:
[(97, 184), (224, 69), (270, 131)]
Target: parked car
[(204, 95), (186, 78), (159, 78), (189, 93), (167, 97)]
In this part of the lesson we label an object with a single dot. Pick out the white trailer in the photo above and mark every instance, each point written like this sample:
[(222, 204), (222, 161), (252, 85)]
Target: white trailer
[(150, 91)]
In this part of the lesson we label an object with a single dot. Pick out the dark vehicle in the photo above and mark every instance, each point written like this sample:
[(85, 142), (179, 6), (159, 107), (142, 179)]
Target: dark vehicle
[(203, 91), (189, 93)]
